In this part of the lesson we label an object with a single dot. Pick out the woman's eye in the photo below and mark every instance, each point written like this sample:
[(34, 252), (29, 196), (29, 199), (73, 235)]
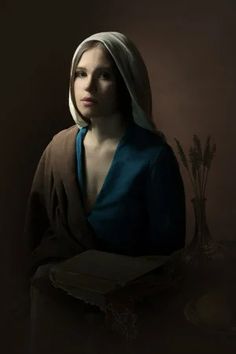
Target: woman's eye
[(105, 75), (80, 74)]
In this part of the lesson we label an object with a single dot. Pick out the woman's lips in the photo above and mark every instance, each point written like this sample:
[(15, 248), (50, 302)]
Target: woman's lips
[(88, 101)]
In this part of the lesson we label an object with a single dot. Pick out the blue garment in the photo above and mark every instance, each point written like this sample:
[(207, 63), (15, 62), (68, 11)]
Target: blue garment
[(141, 206)]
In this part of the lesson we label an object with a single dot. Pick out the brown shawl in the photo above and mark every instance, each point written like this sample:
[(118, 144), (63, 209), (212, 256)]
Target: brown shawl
[(56, 225)]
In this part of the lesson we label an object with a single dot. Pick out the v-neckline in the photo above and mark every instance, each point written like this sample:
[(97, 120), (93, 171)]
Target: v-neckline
[(109, 172)]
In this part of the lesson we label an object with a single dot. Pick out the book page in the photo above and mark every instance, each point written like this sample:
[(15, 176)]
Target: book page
[(119, 269)]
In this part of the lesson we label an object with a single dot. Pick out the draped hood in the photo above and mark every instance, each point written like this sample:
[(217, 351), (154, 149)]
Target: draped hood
[(133, 71)]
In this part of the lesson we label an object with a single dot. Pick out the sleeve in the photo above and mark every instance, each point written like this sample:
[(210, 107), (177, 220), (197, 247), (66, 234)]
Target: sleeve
[(46, 242), (165, 204), (37, 222)]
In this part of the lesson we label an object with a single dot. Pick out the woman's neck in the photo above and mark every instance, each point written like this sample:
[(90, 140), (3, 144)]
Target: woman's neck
[(106, 129)]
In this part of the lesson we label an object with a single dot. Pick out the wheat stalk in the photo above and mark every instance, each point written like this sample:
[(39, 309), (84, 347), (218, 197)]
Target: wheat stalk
[(198, 163), (185, 162)]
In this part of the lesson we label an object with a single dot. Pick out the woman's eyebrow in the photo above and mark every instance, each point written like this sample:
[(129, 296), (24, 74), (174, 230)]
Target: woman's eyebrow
[(97, 68)]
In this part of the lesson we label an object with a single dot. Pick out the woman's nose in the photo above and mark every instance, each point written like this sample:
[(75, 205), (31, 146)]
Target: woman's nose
[(90, 84)]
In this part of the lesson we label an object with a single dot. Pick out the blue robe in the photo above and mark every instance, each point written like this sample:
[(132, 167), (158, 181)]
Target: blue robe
[(141, 206)]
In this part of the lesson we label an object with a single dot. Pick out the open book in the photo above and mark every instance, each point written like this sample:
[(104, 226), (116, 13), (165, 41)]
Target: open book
[(93, 275)]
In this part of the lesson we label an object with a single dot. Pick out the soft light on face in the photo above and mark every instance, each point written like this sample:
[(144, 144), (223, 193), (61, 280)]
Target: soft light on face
[(95, 86)]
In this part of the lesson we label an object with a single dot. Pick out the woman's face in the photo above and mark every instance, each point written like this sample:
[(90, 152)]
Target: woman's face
[(95, 84)]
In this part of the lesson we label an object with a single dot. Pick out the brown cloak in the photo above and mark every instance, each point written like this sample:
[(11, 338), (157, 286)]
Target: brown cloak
[(56, 224)]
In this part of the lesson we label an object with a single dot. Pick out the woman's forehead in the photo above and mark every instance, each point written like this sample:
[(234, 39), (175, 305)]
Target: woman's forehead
[(95, 56)]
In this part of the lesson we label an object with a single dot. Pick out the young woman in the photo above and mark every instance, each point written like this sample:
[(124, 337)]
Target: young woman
[(110, 181)]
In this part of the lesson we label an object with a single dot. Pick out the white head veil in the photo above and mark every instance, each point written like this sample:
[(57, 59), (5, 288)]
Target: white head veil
[(133, 71)]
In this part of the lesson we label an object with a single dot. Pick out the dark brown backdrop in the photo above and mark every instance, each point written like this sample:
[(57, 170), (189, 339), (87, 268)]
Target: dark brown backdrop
[(189, 48)]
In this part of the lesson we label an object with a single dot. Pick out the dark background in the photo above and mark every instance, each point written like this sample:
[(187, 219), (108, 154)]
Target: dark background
[(189, 48)]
